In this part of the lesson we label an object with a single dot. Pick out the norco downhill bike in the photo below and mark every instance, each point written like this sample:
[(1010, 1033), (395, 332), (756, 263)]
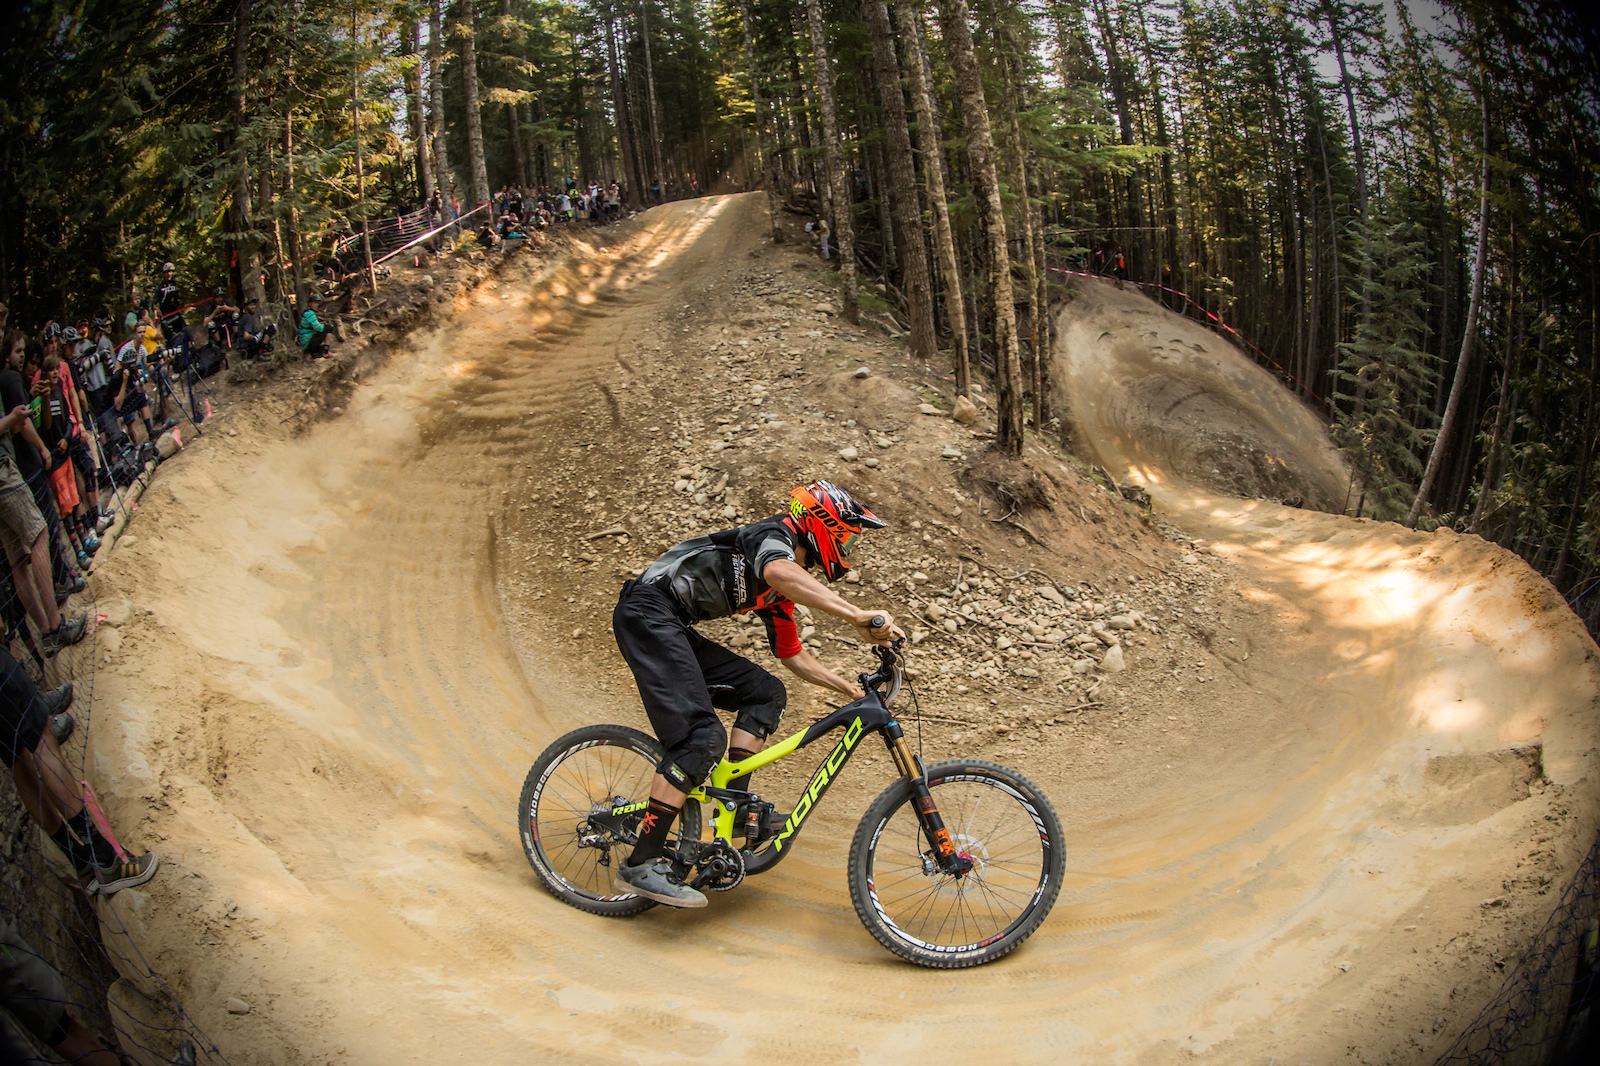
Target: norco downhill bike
[(954, 865)]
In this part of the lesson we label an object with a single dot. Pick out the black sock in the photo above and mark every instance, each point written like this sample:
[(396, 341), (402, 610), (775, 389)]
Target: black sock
[(78, 854), (149, 427), (742, 782), (653, 828), (99, 847)]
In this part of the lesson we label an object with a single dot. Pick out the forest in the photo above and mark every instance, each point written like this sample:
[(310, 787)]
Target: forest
[(1395, 205)]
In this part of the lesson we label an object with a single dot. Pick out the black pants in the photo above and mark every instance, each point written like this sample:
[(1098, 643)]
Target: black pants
[(22, 714), (318, 343), (684, 678)]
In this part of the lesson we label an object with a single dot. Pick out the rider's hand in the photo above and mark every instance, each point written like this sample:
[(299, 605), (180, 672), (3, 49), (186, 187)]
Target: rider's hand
[(882, 634)]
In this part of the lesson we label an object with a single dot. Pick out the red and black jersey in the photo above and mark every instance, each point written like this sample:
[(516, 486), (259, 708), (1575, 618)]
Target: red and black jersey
[(719, 575)]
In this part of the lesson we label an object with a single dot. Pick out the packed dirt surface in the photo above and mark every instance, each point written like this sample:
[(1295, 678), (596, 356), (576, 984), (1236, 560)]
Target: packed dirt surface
[(1319, 776)]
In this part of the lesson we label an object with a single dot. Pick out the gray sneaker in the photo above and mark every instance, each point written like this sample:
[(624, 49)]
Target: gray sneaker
[(122, 875), (655, 880), (68, 633)]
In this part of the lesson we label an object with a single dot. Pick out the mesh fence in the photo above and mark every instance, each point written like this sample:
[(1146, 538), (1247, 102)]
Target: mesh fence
[(75, 984), (1545, 1014)]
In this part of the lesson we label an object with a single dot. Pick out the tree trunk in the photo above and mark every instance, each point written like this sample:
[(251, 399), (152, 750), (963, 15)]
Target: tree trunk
[(650, 92), (416, 124), (361, 176), (912, 28), (301, 293), (1361, 161), (244, 221), (903, 181), (843, 225), (1436, 456), (619, 102), (467, 28), (441, 157), (768, 157), (991, 216), (1120, 96), (1011, 77)]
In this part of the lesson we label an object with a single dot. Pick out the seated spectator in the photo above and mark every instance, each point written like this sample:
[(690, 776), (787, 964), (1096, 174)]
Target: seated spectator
[(221, 322), (34, 993), (255, 339), (313, 334), (48, 789)]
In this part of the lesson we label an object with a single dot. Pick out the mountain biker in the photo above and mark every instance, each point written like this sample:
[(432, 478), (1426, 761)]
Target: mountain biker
[(682, 676)]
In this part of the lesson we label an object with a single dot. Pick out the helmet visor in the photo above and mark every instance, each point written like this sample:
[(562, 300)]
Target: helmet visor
[(848, 543)]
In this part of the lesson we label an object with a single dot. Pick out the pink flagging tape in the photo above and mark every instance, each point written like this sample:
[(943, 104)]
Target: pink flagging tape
[(175, 438), (208, 407), (1191, 302), (101, 822)]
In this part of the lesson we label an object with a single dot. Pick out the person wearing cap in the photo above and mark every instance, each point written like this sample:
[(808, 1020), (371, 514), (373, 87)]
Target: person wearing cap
[(94, 359), (313, 334), (168, 304), (252, 330), (221, 322)]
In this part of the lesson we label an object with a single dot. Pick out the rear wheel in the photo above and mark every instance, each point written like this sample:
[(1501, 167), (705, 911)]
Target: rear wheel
[(1000, 822), (580, 810)]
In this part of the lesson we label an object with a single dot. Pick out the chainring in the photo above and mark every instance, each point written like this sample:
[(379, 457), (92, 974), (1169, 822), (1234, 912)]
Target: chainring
[(721, 867)]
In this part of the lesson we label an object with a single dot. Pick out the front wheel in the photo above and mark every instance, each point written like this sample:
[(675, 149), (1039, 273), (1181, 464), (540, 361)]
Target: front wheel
[(580, 810), (1001, 823)]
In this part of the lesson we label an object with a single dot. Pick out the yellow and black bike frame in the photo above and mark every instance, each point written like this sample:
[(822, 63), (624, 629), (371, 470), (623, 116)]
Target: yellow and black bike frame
[(857, 719)]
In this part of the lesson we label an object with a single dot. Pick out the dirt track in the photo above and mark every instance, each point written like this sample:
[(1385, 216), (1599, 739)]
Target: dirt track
[(343, 651)]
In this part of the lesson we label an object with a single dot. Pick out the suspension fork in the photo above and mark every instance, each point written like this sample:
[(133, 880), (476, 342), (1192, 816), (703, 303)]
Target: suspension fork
[(910, 767)]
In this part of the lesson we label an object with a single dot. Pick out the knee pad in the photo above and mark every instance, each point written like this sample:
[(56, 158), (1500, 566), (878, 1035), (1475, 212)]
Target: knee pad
[(690, 763), (763, 714)]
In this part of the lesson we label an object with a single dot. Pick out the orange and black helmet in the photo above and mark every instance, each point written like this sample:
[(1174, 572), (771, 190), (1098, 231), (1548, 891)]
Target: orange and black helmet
[(828, 520)]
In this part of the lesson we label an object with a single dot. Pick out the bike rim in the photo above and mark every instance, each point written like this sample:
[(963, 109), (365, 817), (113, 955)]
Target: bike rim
[(594, 773), (992, 824)]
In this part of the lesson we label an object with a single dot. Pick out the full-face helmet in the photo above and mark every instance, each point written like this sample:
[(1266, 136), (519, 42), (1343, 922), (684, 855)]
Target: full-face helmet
[(828, 520)]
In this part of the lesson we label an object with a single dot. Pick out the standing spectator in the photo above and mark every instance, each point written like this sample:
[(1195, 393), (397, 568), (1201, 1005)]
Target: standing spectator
[(1119, 267), (57, 428), (95, 357), (435, 220), (313, 334), (694, 186), (128, 398), (168, 304), (655, 188), (22, 536), (31, 461), (1097, 259), (48, 789), (820, 227), (75, 418)]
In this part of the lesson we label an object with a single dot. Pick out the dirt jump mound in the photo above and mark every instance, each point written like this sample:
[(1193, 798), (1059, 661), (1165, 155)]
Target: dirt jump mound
[(1164, 401)]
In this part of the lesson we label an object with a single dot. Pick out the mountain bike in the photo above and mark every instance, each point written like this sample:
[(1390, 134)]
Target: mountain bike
[(955, 864)]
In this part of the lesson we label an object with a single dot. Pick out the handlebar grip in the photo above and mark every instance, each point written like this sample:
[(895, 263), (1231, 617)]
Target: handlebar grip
[(877, 621)]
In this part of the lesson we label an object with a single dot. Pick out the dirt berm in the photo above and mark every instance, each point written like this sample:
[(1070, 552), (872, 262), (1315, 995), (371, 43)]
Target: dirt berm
[(1344, 769)]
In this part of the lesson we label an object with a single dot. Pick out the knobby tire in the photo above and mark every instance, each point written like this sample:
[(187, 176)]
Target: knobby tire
[(994, 815), (586, 767)]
